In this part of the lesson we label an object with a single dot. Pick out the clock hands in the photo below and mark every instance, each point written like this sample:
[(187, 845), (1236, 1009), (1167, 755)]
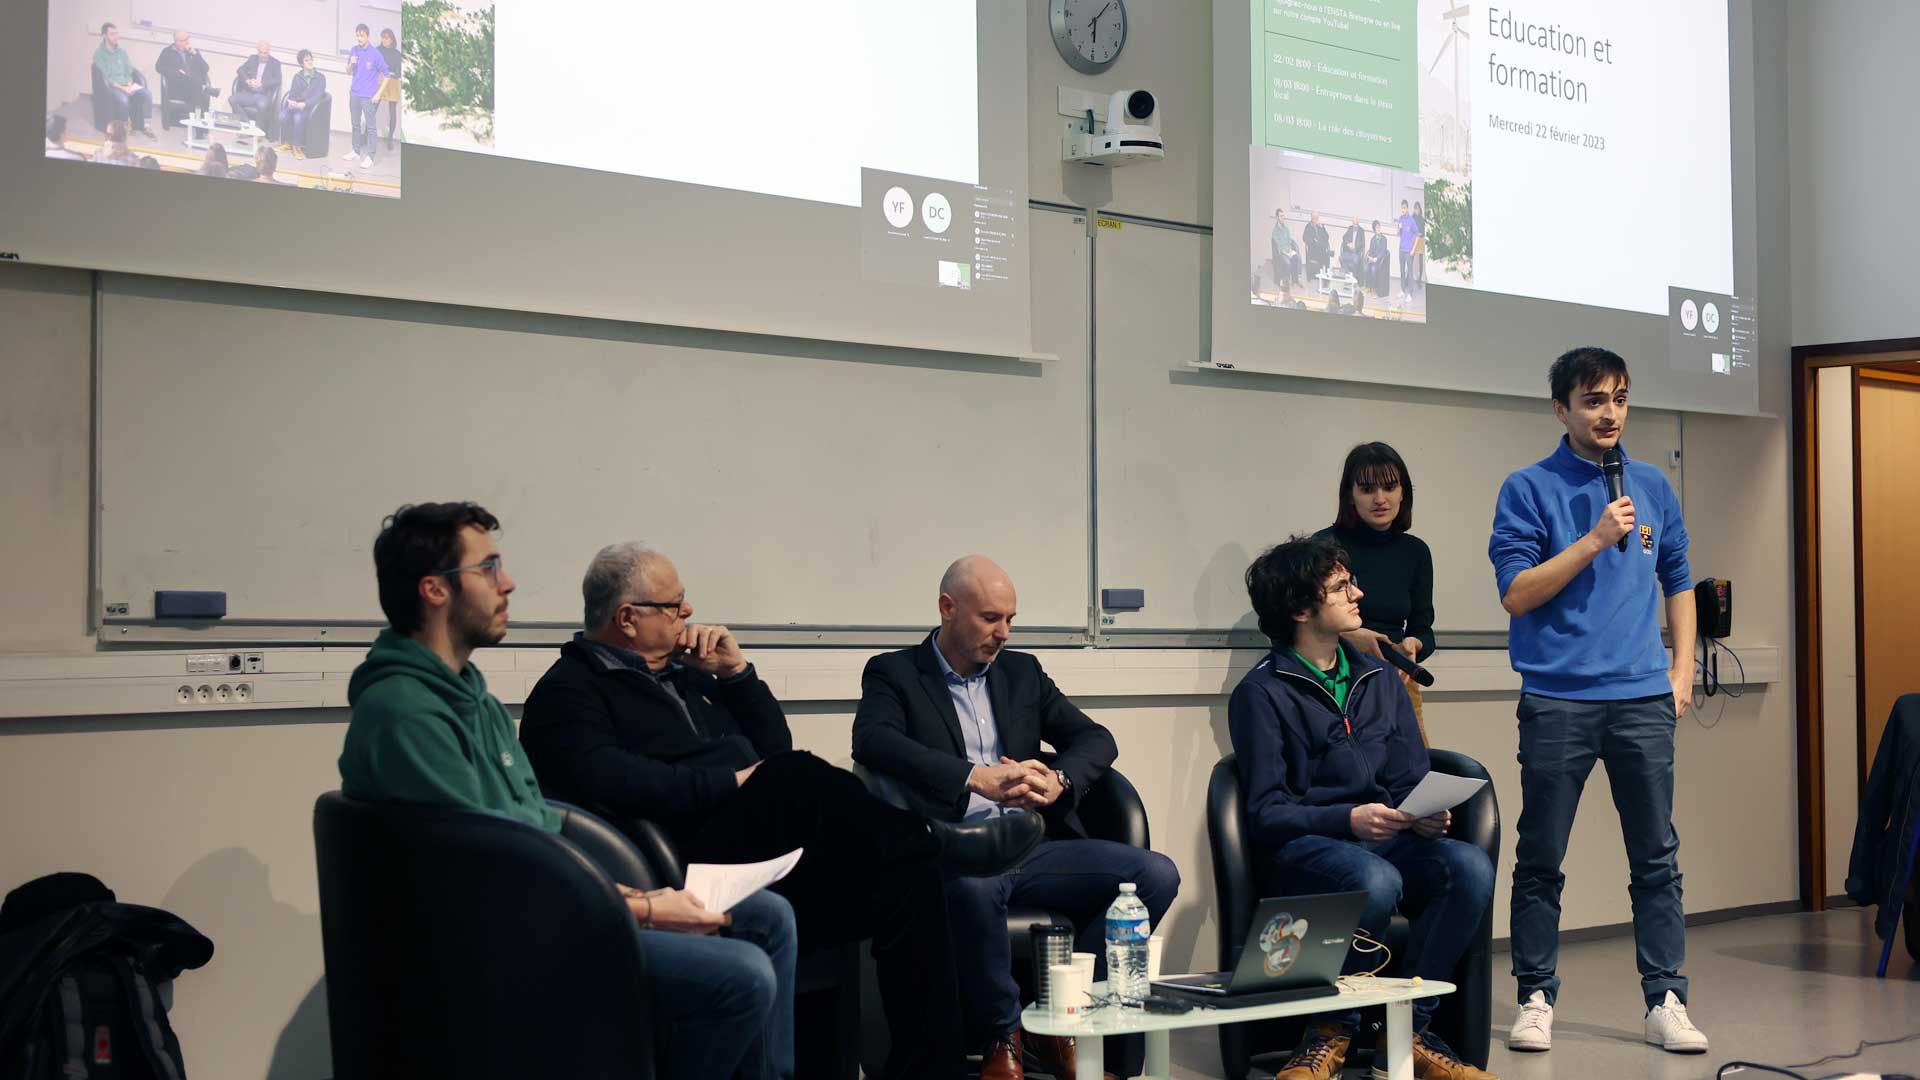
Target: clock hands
[(1094, 23)]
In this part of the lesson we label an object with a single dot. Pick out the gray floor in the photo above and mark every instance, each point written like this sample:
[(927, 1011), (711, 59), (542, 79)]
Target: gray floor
[(1780, 990)]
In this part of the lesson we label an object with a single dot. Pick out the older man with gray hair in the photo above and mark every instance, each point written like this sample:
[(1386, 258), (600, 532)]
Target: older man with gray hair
[(647, 714)]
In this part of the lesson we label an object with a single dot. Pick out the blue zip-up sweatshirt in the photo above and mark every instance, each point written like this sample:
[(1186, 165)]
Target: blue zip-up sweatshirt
[(1599, 639), (1304, 765)]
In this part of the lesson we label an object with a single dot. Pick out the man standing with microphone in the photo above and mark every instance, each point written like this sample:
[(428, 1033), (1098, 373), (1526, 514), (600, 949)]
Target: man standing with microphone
[(1581, 557)]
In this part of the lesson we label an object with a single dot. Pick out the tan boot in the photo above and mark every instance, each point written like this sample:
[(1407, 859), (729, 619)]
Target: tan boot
[(1322, 1054), (1432, 1060)]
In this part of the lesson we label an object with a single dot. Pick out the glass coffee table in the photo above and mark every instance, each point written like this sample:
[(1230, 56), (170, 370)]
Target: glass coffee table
[(1356, 992)]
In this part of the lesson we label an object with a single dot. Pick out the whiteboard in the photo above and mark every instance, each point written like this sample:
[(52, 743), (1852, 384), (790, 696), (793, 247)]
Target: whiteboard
[(1201, 470), (290, 24), (252, 440)]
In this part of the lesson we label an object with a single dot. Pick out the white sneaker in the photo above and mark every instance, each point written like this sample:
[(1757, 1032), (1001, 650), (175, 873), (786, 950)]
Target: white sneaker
[(1669, 1028), (1534, 1028), (350, 155), (366, 163)]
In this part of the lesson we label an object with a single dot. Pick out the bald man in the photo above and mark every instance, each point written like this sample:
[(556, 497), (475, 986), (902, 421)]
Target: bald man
[(957, 721), (185, 72), (257, 86), (649, 715)]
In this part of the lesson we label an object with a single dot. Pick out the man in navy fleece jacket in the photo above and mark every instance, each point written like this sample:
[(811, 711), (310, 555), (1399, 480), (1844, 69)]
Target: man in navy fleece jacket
[(1327, 746), (1596, 684)]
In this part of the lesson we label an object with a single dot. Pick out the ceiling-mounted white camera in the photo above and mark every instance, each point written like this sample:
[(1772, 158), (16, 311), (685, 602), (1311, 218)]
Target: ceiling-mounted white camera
[(1127, 135)]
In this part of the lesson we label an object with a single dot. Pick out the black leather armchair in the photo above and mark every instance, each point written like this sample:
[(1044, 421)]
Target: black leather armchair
[(106, 107), (464, 944), (1110, 810), (826, 977), (1464, 1018), (318, 140), (178, 96)]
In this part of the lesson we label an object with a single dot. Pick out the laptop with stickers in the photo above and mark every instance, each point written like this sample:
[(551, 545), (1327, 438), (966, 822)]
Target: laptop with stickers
[(1294, 950)]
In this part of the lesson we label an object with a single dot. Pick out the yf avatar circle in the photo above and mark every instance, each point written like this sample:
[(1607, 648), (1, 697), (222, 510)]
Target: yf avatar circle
[(1280, 943)]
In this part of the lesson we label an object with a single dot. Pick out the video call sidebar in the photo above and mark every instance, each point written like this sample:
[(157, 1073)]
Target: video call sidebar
[(940, 233)]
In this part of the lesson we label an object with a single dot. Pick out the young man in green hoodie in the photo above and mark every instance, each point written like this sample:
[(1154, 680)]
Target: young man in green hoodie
[(425, 730)]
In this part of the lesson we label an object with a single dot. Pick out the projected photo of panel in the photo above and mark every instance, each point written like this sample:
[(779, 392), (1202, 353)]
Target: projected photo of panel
[(258, 92), (1340, 237)]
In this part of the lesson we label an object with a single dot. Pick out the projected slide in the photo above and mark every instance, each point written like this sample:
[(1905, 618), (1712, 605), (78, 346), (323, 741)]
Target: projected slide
[(1569, 151), (263, 92), (762, 96)]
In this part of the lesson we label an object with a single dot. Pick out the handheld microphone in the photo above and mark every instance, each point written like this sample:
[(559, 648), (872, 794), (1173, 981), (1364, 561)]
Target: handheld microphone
[(1614, 465), (1398, 659)]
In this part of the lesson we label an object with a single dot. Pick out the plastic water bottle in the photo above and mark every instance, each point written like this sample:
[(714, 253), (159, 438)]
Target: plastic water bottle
[(1127, 933)]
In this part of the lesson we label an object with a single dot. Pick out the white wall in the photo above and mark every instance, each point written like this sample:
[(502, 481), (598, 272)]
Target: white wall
[(210, 816), (1855, 155)]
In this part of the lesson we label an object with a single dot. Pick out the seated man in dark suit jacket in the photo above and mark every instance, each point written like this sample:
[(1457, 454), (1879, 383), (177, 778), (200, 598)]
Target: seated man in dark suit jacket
[(957, 722), (259, 85), (648, 715)]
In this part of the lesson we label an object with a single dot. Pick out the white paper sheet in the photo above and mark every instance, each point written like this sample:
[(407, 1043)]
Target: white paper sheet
[(722, 885), (1438, 791)]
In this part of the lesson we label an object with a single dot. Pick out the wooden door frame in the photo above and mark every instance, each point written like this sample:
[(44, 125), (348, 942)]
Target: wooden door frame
[(1810, 729)]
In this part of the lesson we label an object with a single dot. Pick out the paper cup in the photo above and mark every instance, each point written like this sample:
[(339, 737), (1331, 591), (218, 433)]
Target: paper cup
[(1083, 963), (1065, 995), (1154, 946)]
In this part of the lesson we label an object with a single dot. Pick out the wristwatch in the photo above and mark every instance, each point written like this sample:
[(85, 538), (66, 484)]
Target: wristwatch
[(1066, 782)]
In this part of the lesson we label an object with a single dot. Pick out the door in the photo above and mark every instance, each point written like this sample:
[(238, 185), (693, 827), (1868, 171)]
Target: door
[(1888, 496)]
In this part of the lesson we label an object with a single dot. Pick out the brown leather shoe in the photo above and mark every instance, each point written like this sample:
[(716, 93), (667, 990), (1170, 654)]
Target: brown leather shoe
[(1002, 1060), (1432, 1060), (1054, 1055), (1322, 1054)]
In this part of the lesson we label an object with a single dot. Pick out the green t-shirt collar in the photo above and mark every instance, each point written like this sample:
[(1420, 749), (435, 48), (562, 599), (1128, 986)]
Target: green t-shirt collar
[(1338, 681)]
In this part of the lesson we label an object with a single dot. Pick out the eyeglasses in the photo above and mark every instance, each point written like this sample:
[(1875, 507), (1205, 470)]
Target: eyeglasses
[(490, 566), (663, 605), (1351, 587)]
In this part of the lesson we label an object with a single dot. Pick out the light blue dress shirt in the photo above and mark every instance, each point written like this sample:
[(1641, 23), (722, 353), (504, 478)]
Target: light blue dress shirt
[(979, 733)]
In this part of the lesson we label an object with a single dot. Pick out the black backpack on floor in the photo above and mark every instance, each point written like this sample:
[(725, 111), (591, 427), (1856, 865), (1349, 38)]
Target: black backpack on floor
[(82, 983)]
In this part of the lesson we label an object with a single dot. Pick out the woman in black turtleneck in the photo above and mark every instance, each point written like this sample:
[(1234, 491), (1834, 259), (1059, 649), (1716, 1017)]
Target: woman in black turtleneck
[(1393, 566)]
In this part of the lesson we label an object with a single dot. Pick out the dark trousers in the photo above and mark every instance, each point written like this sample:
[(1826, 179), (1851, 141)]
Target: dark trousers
[(366, 119), (134, 107), (1442, 885), (1077, 878), (724, 1004), (869, 871), (293, 125), (1559, 742), (253, 104)]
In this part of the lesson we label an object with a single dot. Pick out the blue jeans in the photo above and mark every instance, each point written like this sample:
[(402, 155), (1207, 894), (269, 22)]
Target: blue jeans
[(723, 1006), (366, 119), (1442, 885), (1078, 878), (293, 125), (134, 107), (1559, 742)]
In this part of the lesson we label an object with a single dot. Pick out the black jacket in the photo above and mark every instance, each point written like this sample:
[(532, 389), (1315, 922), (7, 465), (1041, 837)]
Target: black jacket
[(1884, 840), (269, 80), (604, 735), (50, 922), (1304, 765), (187, 69), (907, 730)]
